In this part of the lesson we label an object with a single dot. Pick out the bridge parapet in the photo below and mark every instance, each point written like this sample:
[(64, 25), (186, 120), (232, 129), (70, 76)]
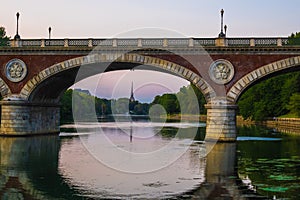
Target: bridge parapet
[(152, 42)]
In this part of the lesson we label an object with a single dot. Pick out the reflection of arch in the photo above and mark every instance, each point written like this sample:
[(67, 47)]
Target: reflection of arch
[(4, 89), (253, 77), (63, 74)]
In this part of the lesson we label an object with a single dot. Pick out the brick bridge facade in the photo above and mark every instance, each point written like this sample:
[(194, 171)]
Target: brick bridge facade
[(35, 73)]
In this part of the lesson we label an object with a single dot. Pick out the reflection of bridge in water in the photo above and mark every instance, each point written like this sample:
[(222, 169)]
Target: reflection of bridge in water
[(284, 125), (29, 170), (37, 72)]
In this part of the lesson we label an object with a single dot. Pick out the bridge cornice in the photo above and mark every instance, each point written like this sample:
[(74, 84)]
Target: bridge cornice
[(163, 50)]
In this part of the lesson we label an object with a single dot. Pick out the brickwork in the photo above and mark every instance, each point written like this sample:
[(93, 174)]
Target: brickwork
[(23, 118)]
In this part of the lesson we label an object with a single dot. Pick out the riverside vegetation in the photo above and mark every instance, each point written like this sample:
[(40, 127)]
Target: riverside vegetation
[(275, 97)]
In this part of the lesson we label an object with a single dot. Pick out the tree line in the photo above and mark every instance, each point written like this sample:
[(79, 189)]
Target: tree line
[(275, 97), (3, 38), (83, 105), (188, 100)]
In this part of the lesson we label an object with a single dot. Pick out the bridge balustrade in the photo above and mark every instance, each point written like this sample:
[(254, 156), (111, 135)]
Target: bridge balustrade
[(238, 42), (54, 42), (102, 42), (154, 42), (78, 42), (204, 42)]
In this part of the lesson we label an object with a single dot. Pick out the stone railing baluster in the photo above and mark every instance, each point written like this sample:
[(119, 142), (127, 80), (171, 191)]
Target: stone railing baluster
[(279, 42), (66, 42)]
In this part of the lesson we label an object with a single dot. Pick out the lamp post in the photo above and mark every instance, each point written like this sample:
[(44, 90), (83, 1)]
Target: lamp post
[(222, 35), (17, 36), (225, 29), (49, 30)]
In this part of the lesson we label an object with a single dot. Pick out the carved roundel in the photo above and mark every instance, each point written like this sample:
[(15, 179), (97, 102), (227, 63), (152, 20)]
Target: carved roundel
[(221, 71), (15, 70)]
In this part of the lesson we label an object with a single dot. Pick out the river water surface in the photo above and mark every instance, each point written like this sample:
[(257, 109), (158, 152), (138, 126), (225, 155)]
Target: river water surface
[(142, 160)]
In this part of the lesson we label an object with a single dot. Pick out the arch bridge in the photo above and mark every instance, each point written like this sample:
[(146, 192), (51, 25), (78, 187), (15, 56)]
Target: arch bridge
[(35, 73)]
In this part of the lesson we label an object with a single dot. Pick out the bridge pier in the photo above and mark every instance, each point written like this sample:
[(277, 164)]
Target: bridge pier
[(19, 117), (221, 120)]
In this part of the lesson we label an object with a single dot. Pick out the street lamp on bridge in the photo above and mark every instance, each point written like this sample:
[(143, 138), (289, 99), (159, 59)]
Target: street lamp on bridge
[(222, 34), (17, 36), (49, 30)]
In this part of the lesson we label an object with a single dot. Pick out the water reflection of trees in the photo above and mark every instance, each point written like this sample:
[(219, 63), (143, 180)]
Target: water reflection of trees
[(272, 166), (29, 169), (194, 133)]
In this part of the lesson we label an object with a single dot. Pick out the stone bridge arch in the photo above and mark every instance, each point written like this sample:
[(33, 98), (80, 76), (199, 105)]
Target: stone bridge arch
[(33, 87), (4, 89), (272, 69)]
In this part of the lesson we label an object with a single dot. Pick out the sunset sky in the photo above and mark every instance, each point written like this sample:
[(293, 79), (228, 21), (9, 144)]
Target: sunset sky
[(137, 18)]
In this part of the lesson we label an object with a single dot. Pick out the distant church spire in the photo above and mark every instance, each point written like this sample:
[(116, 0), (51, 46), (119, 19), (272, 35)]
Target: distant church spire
[(131, 99)]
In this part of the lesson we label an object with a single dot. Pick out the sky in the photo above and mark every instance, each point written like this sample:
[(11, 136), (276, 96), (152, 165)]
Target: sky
[(138, 18), (192, 18)]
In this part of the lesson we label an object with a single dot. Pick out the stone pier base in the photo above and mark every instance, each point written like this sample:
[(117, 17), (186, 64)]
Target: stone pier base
[(20, 118), (221, 121)]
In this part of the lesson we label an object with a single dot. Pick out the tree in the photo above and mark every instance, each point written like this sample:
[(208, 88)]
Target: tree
[(192, 100), (169, 102), (141, 109), (294, 39), (189, 100), (120, 106), (294, 104), (270, 98), (66, 108), (3, 38)]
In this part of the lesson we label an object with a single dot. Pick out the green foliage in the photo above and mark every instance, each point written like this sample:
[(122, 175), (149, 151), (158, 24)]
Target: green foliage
[(270, 98), (120, 106), (190, 97), (83, 107), (124, 106), (141, 109), (66, 108), (3, 38), (103, 106), (294, 104), (294, 39), (169, 102), (86, 105), (189, 100)]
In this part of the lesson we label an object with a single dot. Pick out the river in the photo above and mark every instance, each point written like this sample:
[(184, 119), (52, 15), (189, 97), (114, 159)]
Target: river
[(148, 160)]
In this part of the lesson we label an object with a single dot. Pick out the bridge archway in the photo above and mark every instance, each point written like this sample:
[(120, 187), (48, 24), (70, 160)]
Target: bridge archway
[(42, 88), (4, 89), (272, 69)]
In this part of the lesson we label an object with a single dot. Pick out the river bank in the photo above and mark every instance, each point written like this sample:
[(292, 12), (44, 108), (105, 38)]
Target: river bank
[(285, 125), (201, 118)]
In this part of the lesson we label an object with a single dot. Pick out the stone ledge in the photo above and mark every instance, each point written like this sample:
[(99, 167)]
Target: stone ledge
[(27, 103)]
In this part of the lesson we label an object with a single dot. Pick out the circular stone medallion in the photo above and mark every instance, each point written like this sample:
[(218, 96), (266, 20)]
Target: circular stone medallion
[(15, 70), (221, 71)]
